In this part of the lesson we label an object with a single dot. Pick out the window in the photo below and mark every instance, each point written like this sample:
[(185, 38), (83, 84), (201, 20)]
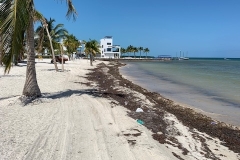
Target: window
[(115, 49), (109, 43), (109, 49)]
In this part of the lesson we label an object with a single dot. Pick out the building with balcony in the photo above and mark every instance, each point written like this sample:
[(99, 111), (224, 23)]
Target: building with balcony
[(108, 50)]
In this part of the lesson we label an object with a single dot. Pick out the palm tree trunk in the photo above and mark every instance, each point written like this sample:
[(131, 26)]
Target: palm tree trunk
[(50, 40), (0, 50), (91, 59), (61, 49), (31, 88)]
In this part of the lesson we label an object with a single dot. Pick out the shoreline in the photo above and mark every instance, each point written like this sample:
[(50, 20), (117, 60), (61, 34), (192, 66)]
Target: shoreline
[(190, 118), (184, 95), (89, 112)]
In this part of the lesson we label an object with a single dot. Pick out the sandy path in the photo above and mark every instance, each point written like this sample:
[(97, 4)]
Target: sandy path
[(68, 122)]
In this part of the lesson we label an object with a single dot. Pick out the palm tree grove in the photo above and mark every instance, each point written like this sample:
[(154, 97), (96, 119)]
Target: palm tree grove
[(17, 30), (18, 38)]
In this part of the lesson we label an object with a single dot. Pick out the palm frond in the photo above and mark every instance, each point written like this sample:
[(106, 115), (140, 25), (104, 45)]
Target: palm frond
[(15, 16), (71, 10)]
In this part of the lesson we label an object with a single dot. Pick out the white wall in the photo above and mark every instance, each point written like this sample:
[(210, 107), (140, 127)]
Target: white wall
[(104, 46)]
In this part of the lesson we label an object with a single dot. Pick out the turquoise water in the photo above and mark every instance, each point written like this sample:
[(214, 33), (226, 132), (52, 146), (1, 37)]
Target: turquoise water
[(211, 85)]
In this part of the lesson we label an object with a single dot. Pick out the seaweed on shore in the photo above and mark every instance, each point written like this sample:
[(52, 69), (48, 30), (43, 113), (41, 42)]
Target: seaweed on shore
[(153, 118)]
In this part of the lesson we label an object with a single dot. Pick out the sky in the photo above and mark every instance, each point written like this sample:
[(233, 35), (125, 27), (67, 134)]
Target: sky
[(197, 28)]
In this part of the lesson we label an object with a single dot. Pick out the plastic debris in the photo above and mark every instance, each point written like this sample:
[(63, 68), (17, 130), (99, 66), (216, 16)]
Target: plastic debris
[(213, 123), (140, 121), (139, 110)]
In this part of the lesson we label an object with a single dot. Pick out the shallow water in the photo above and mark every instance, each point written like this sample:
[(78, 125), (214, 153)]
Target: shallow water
[(211, 85)]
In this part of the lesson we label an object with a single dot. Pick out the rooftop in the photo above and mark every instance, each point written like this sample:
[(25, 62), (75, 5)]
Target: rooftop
[(108, 37)]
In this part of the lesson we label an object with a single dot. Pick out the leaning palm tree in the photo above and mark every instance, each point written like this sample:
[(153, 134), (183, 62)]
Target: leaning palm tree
[(48, 36), (56, 33), (91, 49), (146, 50), (18, 16)]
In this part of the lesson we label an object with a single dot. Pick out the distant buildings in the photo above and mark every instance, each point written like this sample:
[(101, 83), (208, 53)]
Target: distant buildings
[(108, 50)]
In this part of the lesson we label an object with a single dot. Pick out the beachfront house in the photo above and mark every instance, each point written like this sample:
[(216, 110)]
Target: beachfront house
[(108, 50)]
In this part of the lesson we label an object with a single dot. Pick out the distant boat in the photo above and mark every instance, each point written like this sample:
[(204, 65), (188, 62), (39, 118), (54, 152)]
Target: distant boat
[(182, 58), (226, 59)]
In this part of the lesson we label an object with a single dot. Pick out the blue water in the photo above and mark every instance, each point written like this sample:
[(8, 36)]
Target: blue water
[(210, 85)]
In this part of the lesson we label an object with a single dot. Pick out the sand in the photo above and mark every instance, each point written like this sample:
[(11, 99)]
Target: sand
[(70, 122)]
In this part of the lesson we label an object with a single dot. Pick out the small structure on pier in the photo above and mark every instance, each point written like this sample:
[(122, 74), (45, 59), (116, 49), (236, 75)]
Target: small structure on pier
[(164, 57)]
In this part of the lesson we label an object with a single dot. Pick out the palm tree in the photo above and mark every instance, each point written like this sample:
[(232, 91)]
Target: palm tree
[(18, 17), (123, 50), (48, 37), (0, 40), (92, 48), (134, 50), (140, 49), (56, 34), (0, 47), (71, 43), (146, 50), (129, 49)]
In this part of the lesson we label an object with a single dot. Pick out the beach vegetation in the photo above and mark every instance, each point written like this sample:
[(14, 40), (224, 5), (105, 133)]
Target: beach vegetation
[(57, 33), (140, 49), (123, 50), (91, 49), (129, 49), (146, 51), (48, 38), (16, 25), (71, 43), (134, 50)]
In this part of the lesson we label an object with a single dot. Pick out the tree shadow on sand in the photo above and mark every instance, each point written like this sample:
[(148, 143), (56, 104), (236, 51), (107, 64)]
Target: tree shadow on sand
[(68, 93)]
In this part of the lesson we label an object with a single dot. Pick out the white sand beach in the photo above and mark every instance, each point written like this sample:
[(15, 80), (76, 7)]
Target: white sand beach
[(69, 123)]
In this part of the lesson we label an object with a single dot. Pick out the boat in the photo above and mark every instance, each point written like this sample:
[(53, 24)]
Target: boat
[(183, 58)]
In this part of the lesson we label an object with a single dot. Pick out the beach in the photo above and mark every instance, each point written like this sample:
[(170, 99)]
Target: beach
[(89, 112)]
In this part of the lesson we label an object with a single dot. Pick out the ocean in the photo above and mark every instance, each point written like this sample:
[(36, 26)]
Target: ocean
[(210, 85)]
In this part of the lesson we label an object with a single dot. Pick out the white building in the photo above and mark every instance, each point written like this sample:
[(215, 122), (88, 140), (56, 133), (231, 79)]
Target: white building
[(108, 50)]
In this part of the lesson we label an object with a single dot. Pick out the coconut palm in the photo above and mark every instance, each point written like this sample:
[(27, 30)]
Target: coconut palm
[(146, 50), (18, 17), (48, 37), (56, 33), (71, 43), (129, 49), (91, 49), (134, 50), (140, 49), (123, 50)]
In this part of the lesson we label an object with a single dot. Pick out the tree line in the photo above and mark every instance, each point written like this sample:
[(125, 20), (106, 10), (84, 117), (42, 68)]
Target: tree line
[(17, 37), (131, 49)]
